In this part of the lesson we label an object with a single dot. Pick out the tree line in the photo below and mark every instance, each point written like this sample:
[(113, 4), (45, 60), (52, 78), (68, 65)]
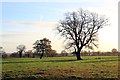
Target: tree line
[(40, 48), (53, 53)]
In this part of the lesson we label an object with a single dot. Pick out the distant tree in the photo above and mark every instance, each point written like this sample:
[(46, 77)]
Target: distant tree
[(52, 53), (80, 29), (42, 46), (64, 53), (2, 50), (15, 55), (20, 50), (114, 50), (3, 53), (29, 53)]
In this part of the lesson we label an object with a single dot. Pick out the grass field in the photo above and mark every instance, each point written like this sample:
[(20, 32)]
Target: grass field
[(60, 68)]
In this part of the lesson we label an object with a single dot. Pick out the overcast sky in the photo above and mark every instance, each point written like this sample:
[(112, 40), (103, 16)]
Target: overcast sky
[(25, 22)]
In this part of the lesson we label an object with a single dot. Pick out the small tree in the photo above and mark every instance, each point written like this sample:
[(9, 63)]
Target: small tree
[(114, 50), (29, 54), (53, 53), (3, 53), (2, 50), (42, 46), (64, 53), (14, 54), (80, 29), (21, 49)]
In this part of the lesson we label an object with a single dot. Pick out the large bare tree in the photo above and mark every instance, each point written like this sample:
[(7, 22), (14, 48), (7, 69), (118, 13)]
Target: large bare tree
[(80, 29)]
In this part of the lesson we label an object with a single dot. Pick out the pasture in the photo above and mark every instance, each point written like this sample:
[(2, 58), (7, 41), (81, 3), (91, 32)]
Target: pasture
[(60, 68)]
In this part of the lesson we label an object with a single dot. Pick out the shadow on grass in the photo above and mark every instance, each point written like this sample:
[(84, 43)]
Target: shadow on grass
[(59, 61), (97, 61), (10, 62), (63, 60), (19, 62), (82, 61)]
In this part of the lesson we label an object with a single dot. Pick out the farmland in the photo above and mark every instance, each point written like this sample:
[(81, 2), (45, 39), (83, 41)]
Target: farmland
[(60, 68)]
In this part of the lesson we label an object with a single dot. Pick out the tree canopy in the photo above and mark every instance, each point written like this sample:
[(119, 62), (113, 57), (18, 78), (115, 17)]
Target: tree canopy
[(42, 46)]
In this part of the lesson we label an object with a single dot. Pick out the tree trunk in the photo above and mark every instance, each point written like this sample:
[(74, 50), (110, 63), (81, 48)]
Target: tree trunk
[(41, 56), (20, 54), (78, 55)]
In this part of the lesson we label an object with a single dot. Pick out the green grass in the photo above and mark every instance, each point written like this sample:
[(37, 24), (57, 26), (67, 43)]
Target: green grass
[(53, 68)]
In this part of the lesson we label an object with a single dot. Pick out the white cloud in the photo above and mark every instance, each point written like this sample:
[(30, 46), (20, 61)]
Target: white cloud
[(33, 24)]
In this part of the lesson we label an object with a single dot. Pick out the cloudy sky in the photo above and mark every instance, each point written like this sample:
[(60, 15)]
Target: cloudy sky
[(25, 22)]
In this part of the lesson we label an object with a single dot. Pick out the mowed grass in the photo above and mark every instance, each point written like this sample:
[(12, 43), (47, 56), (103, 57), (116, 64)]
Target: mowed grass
[(60, 68)]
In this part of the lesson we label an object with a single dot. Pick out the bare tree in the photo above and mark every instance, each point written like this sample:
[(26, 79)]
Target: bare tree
[(114, 50), (21, 49), (2, 53), (1, 50), (80, 29)]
